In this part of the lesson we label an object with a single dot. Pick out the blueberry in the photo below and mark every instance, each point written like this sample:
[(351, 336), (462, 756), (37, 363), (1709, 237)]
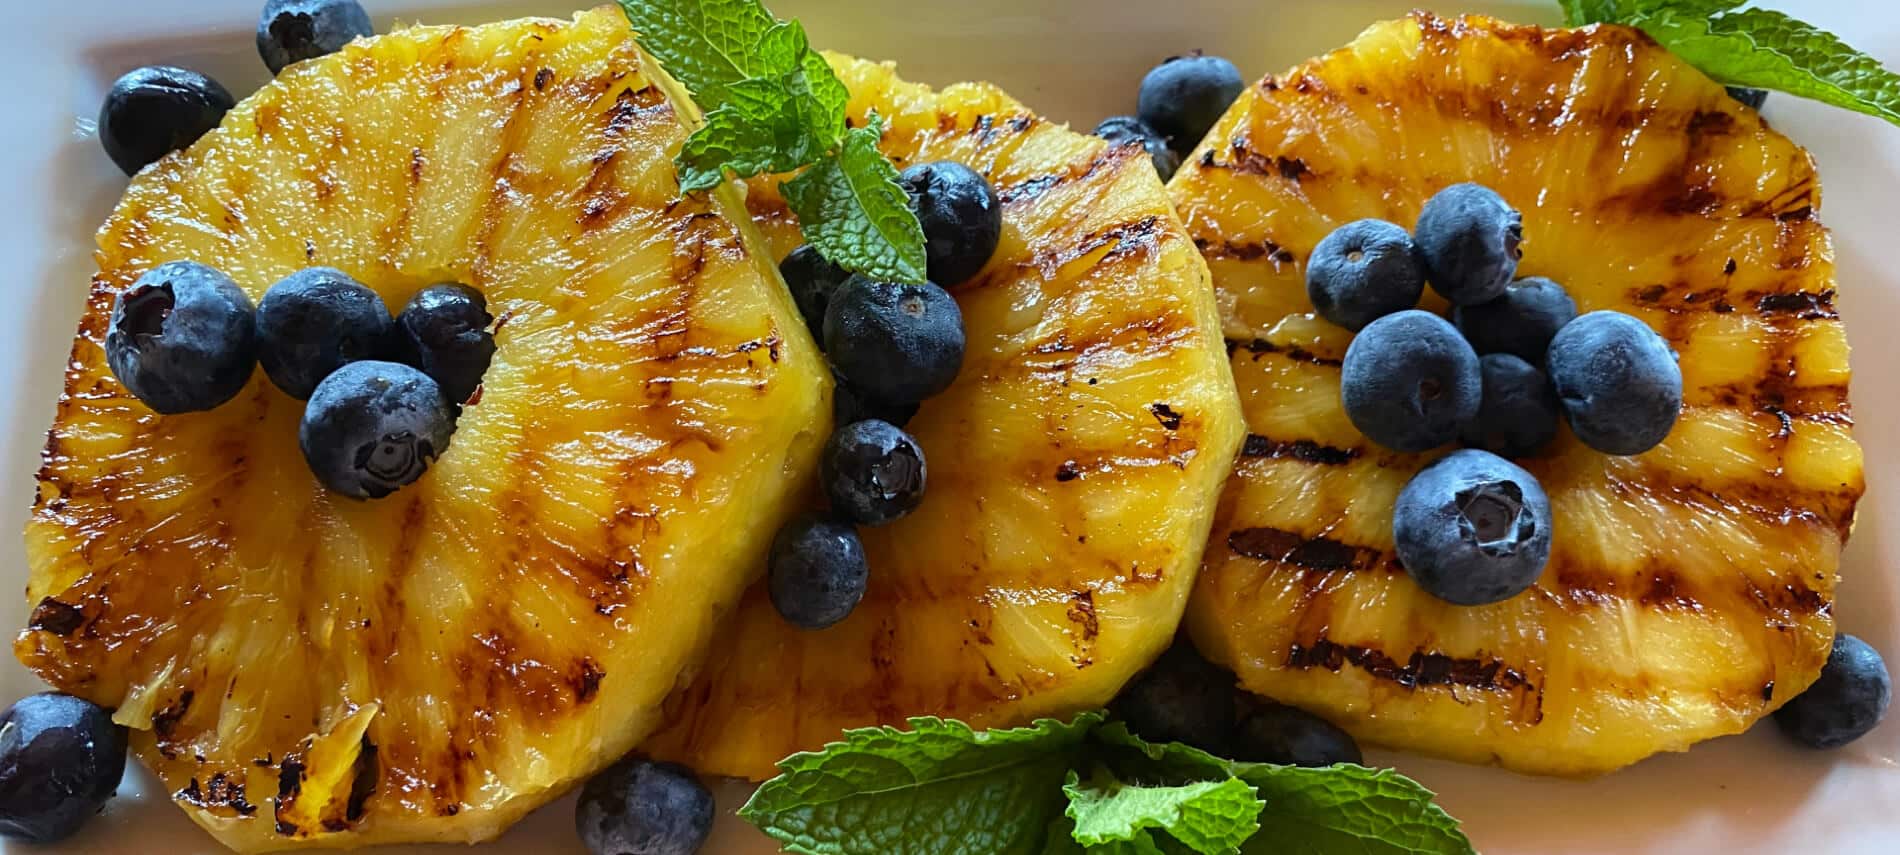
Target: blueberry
[(154, 111), (1754, 98), (1122, 130), (640, 807), (1473, 528), (1184, 96), (1618, 380), (1410, 382), (1290, 736), (1362, 272), (444, 332), (295, 30), (1181, 698), (849, 404), (315, 321), (1521, 322), (872, 472), (1850, 698), (61, 758), (1519, 413), (182, 338), (372, 428), (961, 216), (897, 343), (817, 572), (1470, 240), (812, 279)]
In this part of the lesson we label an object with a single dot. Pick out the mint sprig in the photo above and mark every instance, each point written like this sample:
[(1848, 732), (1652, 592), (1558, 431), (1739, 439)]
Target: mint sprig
[(1756, 48), (1082, 787), (773, 105)]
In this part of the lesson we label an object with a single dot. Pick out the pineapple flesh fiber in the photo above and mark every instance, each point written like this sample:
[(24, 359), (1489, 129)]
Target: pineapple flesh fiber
[(302, 669), (1689, 588), (1074, 465)]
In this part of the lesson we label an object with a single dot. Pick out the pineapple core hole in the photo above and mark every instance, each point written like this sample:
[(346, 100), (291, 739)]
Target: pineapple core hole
[(1492, 516)]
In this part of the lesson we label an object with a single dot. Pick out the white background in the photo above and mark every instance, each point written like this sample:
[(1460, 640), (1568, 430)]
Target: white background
[(1075, 60)]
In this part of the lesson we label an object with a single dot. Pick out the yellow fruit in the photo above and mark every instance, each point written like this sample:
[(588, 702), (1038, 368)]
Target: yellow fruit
[(1689, 588), (1073, 466), (307, 670)]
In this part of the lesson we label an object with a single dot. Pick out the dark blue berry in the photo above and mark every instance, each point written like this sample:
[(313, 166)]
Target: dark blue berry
[(873, 472), (897, 343), (1473, 528), (182, 338), (295, 30), (1362, 272), (812, 279), (444, 332), (1519, 413), (1850, 697), (1181, 698), (1521, 322), (849, 404), (156, 110), (1470, 240), (1183, 97), (1122, 130), (1619, 382), (315, 321), (61, 758), (1410, 382), (1754, 98), (1290, 736), (373, 427), (817, 572), (961, 216), (640, 807)]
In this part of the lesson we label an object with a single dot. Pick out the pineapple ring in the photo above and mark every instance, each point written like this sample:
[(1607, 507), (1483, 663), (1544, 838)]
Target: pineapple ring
[(303, 669), (1688, 590), (1074, 465)]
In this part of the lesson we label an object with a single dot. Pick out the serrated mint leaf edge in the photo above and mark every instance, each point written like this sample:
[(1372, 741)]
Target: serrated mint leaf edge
[(835, 199), (1107, 810)]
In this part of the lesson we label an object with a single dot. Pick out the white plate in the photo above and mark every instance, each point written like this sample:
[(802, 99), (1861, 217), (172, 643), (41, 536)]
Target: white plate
[(1076, 60)]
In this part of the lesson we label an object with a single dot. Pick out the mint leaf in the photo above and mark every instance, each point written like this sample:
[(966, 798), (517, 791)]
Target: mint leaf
[(939, 788), (1208, 817), (851, 208), (1340, 808), (1756, 48), (707, 44)]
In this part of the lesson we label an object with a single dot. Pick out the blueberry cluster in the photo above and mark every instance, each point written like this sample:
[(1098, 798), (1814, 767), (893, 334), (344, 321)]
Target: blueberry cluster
[(1185, 698), (156, 110), (1513, 362), (383, 393), (891, 346), (1179, 102)]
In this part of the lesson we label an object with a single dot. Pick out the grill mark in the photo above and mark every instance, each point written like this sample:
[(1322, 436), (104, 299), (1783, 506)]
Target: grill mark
[(1422, 670), (1227, 249), (1261, 346), (1082, 614), (585, 679), (1312, 553), (1169, 419), (362, 783), (165, 723), (56, 617), (499, 187), (1806, 305), (1304, 450), (289, 787), (1030, 189), (220, 792)]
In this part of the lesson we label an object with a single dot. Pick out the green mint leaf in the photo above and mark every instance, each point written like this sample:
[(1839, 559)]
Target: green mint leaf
[(851, 208), (1577, 13), (1340, 808), (1207, 817), (766, 125), (939, 788), (708, 44), (1769, 50)]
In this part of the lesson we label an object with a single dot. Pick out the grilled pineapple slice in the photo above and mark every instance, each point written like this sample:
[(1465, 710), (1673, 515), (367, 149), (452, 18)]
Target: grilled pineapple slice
[(303, 669), (1688, 590), (1074, 466)]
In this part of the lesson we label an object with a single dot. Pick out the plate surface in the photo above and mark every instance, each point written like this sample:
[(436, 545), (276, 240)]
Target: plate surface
[(1075, 60)]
